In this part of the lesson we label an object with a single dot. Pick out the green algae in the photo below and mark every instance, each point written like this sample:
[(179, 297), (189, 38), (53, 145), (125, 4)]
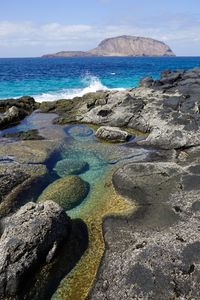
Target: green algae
[(68, 191), (70, 167), (101, 202)]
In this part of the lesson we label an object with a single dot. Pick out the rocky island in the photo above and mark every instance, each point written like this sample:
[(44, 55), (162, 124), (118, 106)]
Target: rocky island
[(122, 46), (141, 215)]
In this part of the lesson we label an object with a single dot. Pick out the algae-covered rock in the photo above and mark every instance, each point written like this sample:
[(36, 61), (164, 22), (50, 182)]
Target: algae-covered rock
[(68, 191), (70, 167)]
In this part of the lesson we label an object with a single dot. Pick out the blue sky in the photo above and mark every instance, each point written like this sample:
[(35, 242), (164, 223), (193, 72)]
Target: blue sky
[(32, 28)]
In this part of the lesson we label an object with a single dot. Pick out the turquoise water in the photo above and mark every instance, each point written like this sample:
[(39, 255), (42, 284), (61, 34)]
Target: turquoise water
[(77, 142), (55, 78)]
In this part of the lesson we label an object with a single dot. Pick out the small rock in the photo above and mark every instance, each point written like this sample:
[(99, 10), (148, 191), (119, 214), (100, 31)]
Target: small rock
[(112, 134), (146, 82)]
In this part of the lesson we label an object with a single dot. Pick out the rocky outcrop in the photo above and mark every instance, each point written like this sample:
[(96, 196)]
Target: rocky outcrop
[(12, 111), (132, 46), (30, 238), (154, 253), (112, 134), (122, 46), (167, 109)]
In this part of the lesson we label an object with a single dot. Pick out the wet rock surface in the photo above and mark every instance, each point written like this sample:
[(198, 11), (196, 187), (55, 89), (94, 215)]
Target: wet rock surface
[(67, 191), (23, 171)]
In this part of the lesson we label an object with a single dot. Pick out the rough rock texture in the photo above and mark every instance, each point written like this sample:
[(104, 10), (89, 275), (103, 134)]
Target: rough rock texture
[(12, 111), (16, 183), (122, 46), (167, 109), (112, 134), (31, 236), (152, 253), (155, 252), (132, 46), (67, 191)]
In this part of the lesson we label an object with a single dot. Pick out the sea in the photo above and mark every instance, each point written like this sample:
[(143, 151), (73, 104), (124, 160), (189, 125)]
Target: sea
[(48, 79)]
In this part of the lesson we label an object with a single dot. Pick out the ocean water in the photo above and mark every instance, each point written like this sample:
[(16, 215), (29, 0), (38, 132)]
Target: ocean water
[(48, 79)]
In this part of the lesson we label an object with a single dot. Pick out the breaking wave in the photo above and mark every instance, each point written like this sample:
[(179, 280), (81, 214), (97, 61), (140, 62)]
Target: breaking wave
[(93, 85)]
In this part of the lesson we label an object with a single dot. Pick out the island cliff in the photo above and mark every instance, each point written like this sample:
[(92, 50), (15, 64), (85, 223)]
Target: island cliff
[(122, 46)]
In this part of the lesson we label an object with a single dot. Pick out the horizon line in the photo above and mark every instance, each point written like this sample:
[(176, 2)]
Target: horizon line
[(98, 56)]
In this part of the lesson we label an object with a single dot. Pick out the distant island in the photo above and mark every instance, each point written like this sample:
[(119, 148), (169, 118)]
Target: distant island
[(122, 46)]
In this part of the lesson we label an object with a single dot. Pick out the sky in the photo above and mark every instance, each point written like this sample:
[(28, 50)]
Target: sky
[(30, 28)]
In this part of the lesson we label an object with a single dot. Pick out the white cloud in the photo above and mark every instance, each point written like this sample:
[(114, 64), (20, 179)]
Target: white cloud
[(38, 39)]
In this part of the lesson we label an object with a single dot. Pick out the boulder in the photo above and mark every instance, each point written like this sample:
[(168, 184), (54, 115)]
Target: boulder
[(30, 238), (172, 102), (12, 111), (170, 78), (12, 116), (68, 191), (146, 82), (70, 167), (26, 103), (112, 134)]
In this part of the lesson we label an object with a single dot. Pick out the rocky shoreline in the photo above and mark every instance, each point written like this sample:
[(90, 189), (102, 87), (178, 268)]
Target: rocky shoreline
[(153, 253)]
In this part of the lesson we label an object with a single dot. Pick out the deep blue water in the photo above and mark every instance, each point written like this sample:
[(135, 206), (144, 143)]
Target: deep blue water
[(54, 78)]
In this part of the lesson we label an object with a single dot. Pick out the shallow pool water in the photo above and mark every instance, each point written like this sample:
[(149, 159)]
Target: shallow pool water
[(102, 200), (78, 143)]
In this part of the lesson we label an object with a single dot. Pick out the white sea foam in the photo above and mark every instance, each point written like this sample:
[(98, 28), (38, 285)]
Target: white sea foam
[(94, 85)]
